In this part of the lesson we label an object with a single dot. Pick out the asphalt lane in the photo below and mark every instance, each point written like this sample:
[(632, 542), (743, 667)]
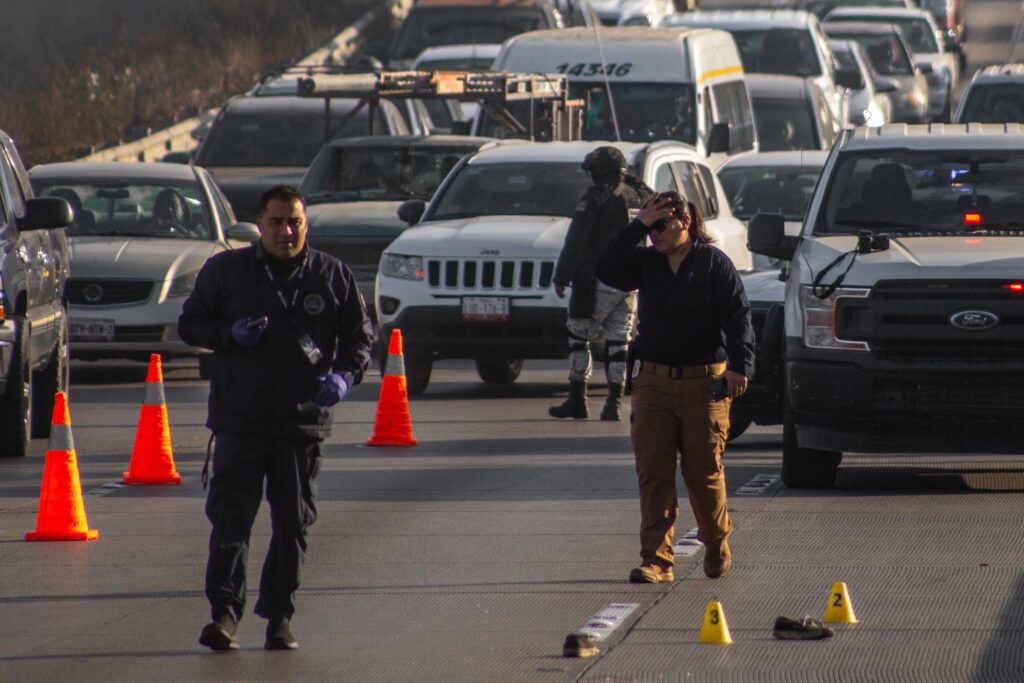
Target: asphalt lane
[(473, 555)]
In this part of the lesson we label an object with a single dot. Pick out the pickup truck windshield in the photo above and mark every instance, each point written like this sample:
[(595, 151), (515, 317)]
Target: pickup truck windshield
[(513, 189), (925, 191), (1001, 103)]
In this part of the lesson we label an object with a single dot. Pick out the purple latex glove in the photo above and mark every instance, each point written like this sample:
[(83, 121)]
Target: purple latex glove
[(332, 390), (247, 331)]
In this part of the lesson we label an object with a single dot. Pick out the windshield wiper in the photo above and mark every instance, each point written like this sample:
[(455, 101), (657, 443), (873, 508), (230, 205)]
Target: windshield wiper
[(332, 196), (884, 225)]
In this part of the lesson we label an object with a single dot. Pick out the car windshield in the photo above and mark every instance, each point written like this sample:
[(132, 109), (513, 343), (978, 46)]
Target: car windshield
[(784, 125), (1001, 103), (769, 189), (645, 112), (777, 51), (430, 27), (168, 209), (513, 189), (925, 191), (384, 173), (916, 30), (822, 7), (886, 53), (278, 138)]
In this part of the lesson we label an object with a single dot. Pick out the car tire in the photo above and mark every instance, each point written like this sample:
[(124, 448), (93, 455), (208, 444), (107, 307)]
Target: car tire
[(806, 468), (499, 370), (206, 366), (736, 428), (16, 403), (51, 379), (417, 373)]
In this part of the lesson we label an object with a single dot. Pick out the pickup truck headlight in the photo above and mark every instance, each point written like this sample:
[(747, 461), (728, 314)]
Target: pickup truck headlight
[(404, 267), (820, 319), (183, 284)]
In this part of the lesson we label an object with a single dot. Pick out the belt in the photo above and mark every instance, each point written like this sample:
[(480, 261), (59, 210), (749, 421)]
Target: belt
[(682, 371)]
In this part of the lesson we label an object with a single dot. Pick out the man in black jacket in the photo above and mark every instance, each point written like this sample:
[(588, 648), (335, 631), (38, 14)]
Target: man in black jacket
[(596, 310), (290, 335)]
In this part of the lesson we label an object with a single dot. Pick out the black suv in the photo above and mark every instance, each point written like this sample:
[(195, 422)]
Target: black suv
[(34, 262)]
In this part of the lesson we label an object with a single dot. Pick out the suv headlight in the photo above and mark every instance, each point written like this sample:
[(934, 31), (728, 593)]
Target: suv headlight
[(820, 319), (183, 284), (404, 267)]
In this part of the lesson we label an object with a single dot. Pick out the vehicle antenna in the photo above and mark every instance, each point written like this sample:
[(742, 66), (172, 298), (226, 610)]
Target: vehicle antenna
[(607, 83)]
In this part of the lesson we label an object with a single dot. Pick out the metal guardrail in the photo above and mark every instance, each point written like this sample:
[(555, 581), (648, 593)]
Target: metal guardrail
[(179, 137)]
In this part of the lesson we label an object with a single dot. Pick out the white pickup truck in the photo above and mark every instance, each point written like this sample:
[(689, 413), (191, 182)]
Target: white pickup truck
[(472, 277)]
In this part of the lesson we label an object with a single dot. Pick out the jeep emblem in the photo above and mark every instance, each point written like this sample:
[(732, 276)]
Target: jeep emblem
[(92, 293), (974, 320), (490, 252)]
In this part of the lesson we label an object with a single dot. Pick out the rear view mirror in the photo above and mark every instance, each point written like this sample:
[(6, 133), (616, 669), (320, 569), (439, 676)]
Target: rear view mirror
[(44, 213), (718, 138), (244, 232), (766, 234), (852, 80), (411, 210)]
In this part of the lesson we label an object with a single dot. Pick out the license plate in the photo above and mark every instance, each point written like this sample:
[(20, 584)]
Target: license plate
[(485, 308), (91, 329)]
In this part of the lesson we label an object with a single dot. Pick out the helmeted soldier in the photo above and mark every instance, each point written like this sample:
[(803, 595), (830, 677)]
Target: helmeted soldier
[(596, 310)]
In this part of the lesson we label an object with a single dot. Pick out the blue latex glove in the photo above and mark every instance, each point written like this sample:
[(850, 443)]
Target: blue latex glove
[(332, 390), (247, 336)]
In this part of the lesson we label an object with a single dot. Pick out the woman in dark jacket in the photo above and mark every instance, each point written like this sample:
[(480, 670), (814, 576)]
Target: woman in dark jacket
[(693, 353)]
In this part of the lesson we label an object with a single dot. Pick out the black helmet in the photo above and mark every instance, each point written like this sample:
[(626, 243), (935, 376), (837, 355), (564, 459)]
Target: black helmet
[(605, 161)]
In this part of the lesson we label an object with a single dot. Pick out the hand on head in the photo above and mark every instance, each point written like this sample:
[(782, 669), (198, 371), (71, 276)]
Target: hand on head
[(658, 207)]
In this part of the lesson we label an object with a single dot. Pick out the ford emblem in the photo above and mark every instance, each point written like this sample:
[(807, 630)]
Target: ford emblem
[(92, 293), (974, 320)]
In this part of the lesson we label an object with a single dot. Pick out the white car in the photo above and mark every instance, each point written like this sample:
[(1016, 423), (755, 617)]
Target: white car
[(140, 235), (472, 277)]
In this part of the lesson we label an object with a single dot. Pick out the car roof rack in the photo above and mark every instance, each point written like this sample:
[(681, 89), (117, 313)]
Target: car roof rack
[(551, 116)]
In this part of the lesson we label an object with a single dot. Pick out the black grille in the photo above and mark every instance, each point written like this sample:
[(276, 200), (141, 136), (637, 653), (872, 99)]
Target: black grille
[(953, 392), (82, 292), (486, 274), (139, 333), (911, 321)]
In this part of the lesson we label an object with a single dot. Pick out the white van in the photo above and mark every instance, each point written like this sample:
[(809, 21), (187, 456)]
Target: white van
[(666, 84)]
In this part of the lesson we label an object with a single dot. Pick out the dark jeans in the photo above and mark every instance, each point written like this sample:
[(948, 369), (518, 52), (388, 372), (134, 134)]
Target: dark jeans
[(241, 462)]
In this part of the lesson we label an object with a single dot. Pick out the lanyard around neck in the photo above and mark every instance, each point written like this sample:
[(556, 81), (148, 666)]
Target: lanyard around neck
[(280, 294)]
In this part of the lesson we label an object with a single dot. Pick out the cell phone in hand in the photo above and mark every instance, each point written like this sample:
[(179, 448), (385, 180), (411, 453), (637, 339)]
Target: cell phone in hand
[(719, 389), (256, 322)]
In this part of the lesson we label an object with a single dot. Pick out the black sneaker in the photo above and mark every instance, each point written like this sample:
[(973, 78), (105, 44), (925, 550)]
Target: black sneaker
[(279, 636), (219, 634), (806, 629), (579, 645)]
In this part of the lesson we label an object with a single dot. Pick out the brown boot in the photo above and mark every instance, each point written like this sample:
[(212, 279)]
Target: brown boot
[(717, 559), (651, 573)]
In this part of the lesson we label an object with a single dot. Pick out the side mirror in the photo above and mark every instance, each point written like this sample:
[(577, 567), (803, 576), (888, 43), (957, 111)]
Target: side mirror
[(886, 85), (411, 210), (766, 234), (718, 138), (44, 213), (925, 67), (244, 232), (851, 80)]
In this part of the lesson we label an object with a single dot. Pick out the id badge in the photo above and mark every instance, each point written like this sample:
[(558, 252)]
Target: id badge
[(309, 349)]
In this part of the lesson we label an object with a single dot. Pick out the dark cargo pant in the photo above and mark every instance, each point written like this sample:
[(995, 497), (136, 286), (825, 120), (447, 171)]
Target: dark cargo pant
[(670, 417), (241, 462)]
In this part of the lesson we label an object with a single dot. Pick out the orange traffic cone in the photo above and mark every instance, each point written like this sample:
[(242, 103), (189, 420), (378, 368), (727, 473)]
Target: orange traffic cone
[(393, 426), (152, 461), (61, 508)]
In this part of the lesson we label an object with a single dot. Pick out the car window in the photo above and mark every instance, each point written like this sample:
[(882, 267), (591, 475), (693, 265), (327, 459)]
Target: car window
[(784, 124), (754, 189), (917, 30), (709, 188), (690, 186), (513, 189), (886, 52), (778, 51), (221, 206), (1001, 103), (17, 196), (733, 106)]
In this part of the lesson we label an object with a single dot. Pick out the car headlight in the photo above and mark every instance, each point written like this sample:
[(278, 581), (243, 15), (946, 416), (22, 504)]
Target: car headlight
[(183, 284), (404, 267), (820, 319)]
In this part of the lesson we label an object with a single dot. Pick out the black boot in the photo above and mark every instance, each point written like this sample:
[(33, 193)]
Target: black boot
[(219, 634), (575, 406), (611, 411)]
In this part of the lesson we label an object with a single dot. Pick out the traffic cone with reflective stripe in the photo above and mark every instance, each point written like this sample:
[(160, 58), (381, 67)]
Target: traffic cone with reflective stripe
[(61, 508), (152, 460), (393, 426)]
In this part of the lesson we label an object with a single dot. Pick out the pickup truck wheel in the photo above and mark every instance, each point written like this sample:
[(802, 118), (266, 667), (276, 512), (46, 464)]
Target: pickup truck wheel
[(16, 403), (417, 373), (206, 366), (736, 428), (806, 468), (500, 370), (50, 380)]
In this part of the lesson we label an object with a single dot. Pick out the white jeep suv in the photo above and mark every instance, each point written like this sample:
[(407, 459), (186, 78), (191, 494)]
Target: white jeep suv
[(472, 277)]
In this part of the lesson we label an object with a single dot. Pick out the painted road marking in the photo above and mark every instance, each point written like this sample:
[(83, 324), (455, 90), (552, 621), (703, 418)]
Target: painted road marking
[(687, 545), (105, 489), (759, 485), (601, 625)]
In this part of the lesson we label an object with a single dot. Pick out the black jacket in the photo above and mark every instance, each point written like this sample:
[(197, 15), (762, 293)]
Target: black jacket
[(267, 389), (600, 214), (696, 316)]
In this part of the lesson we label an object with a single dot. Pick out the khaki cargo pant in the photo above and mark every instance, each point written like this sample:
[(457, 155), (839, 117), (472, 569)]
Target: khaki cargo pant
[(670, 417)]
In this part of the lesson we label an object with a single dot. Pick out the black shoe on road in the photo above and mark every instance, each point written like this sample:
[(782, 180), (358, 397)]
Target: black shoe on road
[(279, 636), (805, 629), (219, 634)]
